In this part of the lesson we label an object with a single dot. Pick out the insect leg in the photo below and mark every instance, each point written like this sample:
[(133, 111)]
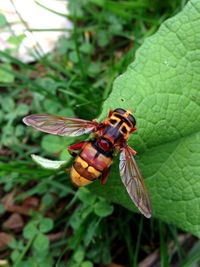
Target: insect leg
[(133, 152), (77, 146), (104, 176), (133, 130), (110, 113)]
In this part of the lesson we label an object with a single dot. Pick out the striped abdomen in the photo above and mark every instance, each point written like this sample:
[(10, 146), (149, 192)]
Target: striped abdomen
[(89, 165)]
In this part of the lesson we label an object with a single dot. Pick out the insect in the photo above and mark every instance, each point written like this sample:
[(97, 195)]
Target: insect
[(93, 158)]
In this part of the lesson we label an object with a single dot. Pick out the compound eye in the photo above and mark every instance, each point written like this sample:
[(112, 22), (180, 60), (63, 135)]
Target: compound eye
[(132, 120), (120, 110)]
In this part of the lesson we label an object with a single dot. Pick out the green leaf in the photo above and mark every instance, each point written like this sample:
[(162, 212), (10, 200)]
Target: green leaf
[(49, 84), (103, 38), (51, 106), (3, 21), (41, 243), (7, 103), (86, 48), (75, 220), (94, 69), (47, 200), (85, 196), (16, 40), (103, 208), (64, 155), (19, 130), (6, 75), (68, 112), (46, 225), (87, 264), (73, 56), (52, 144), (162, 88), (2, 209), (14, 255), (1, 116), (29, 263), (79, 255), (22, 110), (91, 231), (47, 163), (30, 230)]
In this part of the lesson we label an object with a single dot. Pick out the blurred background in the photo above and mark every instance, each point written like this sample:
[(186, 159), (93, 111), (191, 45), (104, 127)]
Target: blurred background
[(61, 57)]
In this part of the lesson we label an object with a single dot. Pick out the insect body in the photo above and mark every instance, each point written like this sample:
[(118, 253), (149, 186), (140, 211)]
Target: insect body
[(94, 157), (90, 164)]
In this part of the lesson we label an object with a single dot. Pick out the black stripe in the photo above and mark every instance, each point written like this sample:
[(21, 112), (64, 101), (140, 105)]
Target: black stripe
[(123, 119)]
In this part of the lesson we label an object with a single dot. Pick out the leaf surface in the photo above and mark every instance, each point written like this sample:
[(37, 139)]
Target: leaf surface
[(162, 88)]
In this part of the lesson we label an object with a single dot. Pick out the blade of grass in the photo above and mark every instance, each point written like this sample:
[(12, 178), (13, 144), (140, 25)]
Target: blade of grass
[(75, 38), (193, 256), (164, 258), (51, 10), (138, 243), (23, 253), (180, 250)]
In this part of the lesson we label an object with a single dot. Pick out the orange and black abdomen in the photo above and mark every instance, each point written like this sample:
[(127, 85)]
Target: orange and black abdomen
[(89, 164)]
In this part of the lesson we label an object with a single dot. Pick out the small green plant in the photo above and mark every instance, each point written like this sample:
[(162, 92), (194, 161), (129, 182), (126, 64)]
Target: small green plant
[(34, 233)]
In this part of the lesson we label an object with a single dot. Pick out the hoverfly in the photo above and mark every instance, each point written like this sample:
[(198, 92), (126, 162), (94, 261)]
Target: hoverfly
[(95, 156)]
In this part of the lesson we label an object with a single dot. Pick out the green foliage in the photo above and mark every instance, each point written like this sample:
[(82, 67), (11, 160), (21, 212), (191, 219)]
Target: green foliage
[(30, 230), (46, 225), (9, 114), (103, 209), (86, 223), (52, 144), (5, 75), (34, 232), (161, 87), (3, 20)]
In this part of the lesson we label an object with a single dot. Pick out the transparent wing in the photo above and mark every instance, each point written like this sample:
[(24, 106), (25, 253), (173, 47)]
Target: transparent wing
[(133, 181), (60, 125)]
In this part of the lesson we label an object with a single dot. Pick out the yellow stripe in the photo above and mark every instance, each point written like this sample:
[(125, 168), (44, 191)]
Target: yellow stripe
[(126, 114), (77, 179), (83, 163), (94, 171)]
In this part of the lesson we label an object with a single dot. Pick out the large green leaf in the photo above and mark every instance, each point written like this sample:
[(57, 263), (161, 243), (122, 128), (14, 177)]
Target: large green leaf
[(162, 87)]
